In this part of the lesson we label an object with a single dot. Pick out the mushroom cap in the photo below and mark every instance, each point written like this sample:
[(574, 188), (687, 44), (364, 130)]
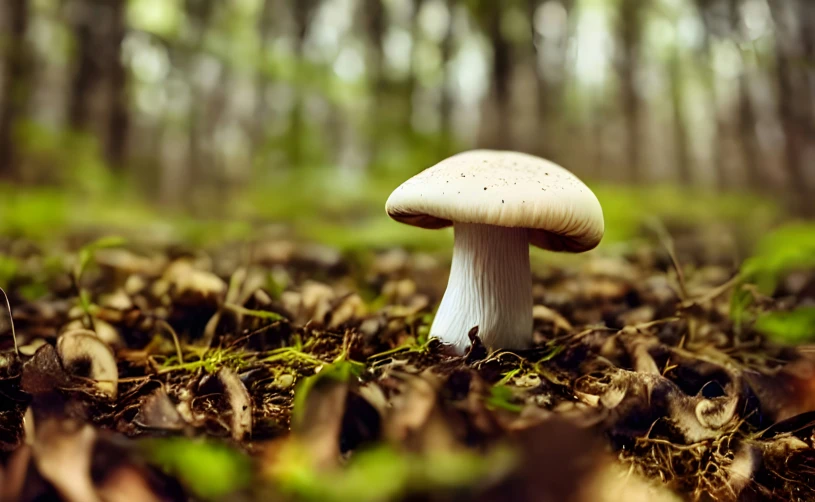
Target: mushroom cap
[(508, 189)]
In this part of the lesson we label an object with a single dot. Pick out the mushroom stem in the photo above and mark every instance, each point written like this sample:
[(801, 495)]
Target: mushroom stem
[(490, 286)]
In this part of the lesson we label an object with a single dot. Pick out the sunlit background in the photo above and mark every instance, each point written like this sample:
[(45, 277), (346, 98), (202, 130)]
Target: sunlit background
[(311, 111)]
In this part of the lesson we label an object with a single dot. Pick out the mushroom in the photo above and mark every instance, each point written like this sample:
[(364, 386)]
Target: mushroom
[(498, 202)]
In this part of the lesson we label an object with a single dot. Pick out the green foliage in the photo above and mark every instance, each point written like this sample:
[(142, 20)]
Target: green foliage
[(740, 302), (159, 17), (36, 214), (70, 157), (276, 286), (788, 248), (208, 469), (33, 291), (340, 208), (501, 396), (341, 370), (86, 254), (383, 473), (9, 268), (208, 360), (260, 314), (791, 247), (85, 302), (625, 209), (797, 326)]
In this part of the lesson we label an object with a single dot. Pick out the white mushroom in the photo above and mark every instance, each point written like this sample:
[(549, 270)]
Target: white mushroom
[(498, 203)]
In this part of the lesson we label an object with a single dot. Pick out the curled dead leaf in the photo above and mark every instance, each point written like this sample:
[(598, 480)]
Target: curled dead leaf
[(84, 354), (240, 402)]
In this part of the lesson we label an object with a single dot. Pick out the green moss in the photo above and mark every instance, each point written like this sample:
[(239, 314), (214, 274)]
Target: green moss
[(395, 473), (797, 326), (208, 469), (345, 210)]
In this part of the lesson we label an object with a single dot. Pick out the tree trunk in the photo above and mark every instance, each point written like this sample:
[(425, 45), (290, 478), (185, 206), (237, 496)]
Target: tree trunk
[(683, 163), (788, 102), (549, 91), (446, 109), (806, 13), (722, 180), (415, 34), (303, 10), (630, 19), (199, 166), (751, 152), (544, 94), (119, 118), (374, 16), (18, 74), (87, 71), (265, 29), (501, 74)]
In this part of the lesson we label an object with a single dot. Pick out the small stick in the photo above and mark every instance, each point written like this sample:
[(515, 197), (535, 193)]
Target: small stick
[(11, 321), (172, 332), (667, 242)]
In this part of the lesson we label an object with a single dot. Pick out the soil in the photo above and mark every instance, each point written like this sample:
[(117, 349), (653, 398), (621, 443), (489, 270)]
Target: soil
[(303, 362)]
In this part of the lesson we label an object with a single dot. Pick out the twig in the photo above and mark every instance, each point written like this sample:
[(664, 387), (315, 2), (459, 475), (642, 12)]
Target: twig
[(11, 321), (668, 243), (715, 292), (172, 332)]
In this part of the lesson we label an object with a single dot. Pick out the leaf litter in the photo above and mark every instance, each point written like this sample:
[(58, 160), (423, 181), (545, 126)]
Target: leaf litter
[(276, 370)]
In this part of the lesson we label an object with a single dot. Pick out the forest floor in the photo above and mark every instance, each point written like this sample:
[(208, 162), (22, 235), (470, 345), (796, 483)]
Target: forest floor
[(278, 369)]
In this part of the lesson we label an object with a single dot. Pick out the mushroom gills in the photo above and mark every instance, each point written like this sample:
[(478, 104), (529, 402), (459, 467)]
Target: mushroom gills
[(490, 286)]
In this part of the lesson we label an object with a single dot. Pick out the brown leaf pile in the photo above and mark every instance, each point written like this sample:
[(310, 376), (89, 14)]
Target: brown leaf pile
[(639, 388)]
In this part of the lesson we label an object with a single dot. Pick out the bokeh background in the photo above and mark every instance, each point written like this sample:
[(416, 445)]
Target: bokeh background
[(312, 111), (183, 175)]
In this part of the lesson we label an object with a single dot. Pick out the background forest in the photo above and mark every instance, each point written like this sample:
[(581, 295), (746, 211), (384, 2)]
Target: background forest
[(194, 101)]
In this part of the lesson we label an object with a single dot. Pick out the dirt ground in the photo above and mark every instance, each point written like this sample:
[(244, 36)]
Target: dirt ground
[(281, 370)]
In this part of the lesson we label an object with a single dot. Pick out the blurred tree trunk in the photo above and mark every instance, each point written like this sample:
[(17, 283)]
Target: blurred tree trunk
[(630, 21), (199, 13), (217, 106), (807, 16), (597, 155), (374, 18), (119, 118), (88, 70), (751, 151), (303, 10), (790, 104), (549, 90), (683, 162), (447, 101), (545, 98), (17, 85), (415, 36), (265, 27), (709, 77), (501, 73)]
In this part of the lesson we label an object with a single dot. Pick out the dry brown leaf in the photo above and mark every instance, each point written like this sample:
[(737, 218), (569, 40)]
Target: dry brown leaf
[(62, 453), (240, 402)]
